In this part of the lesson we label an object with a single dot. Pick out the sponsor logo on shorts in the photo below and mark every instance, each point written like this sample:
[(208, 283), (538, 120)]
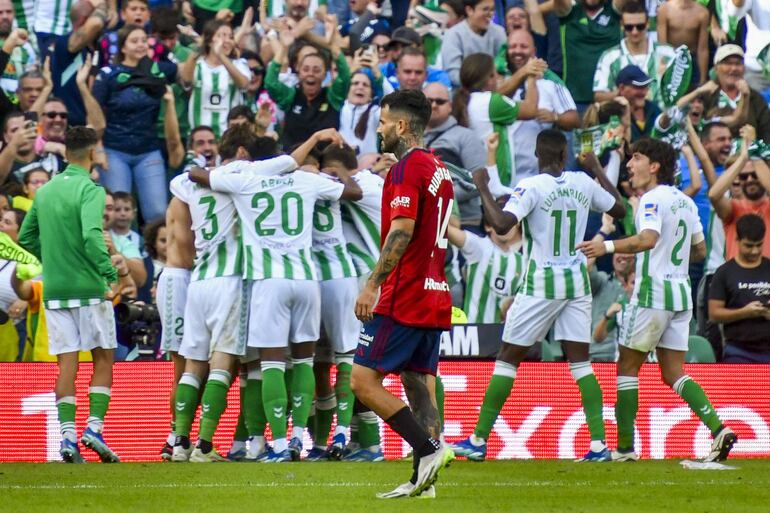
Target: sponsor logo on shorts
[(431, 284), (400, 201), (365, 339)]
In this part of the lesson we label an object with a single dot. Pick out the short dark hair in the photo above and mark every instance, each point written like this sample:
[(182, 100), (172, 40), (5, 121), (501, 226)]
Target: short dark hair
[(635, 8), (200, 128), (124, 196), (264, 148), (413, 104), (19, 214), (709, 126), (80, 139), (414, 52), (150, 235), (609, 109), (28, 174), (344, 154), (164, 20), (10, 116), (551, 146), (456, 5), (238, 136), (660, 152), (750, 227), (241, 111)]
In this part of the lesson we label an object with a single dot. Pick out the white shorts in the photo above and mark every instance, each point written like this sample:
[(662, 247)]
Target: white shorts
[(644, 329), (82, 328), (530, 318), (338, 317), (284, 311), (216, 318), (171, 297)]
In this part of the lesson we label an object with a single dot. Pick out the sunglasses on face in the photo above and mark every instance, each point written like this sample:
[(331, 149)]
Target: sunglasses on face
[(635, 26), (438, 101), (745, 176), (52, 115)]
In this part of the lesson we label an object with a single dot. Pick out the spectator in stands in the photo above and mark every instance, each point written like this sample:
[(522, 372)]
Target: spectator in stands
[(119, 245), (70, 51), (131, 92), (544, 27), (555, 108), (459, 146), (17, 38), (18, 150), (403, 38), (588, 28), (739, 296), (481, 107), (728, 62), (203, 142), (755, 178), (411, 69), (309, 106), (363, 24), (475, 34), (639, 48), (256, 94), (686, 22), (34, 179), (23, 57), (217, 78), (133, 12), (634, 85), (360, 113), (32, 86), (227, 11), (155, 245)]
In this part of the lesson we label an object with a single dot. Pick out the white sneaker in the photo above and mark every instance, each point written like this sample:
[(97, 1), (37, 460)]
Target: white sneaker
[(624, 456), (722, 445), (180, 454), (406, 490), (199, 456), (430, 466)]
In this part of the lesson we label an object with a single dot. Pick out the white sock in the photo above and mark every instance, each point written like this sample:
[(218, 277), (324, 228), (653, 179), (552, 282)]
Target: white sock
[(280, 445), (341, 430), (598, 445), (297, 432), (476, 441), (171, 439)]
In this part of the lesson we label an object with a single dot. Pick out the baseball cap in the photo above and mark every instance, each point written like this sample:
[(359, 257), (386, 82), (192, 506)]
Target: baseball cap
[(633, 75), (405, 35), (725, 51)]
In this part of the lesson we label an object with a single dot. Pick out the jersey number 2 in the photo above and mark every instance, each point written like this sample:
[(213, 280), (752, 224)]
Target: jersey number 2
[(675, 258)]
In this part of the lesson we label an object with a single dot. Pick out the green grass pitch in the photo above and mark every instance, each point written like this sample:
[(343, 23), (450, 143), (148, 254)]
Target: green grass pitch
[(520, 486)]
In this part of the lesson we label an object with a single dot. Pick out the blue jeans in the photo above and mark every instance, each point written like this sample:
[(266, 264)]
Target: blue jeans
[(148, 173)]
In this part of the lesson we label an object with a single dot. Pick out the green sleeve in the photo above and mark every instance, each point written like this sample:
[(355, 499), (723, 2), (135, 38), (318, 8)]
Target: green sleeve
[(281, 94), (502, 110), (93, 238), (338, 91), (29, 235)]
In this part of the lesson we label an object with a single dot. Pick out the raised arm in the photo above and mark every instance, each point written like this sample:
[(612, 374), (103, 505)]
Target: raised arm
[(528, 106), (591, 163), (171, 133), (562, 7), (240, 80), (94, 114), (662, 24), (86, 33), (536, 20), (500, 221), (695, 181)]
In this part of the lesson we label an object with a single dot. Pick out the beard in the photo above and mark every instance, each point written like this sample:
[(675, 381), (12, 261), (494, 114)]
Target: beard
[(5, 29), (753, 192)]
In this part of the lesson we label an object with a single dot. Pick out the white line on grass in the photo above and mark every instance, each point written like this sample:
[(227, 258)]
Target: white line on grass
[(286, 484)]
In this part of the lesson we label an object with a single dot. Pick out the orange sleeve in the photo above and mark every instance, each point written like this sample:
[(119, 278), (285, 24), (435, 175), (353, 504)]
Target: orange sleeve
[(37, 297)]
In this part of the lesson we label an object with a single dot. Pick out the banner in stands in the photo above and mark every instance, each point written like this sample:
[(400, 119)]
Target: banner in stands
[(542, 418)]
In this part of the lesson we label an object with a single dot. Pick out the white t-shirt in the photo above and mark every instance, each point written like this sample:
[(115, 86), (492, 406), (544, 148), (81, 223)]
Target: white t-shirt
[(330, 253), (361, 221)]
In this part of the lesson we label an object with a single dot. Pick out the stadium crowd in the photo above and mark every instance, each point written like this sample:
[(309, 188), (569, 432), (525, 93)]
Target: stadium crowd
[(161, 83)]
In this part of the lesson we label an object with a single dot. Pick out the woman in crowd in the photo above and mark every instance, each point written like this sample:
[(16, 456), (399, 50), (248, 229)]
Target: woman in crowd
[(130, 93), (155, 244), (216, 78), (32, 181), (360, 113)]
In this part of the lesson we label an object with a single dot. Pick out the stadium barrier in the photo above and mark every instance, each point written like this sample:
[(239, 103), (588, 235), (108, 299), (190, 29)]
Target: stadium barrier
[(542, 419)]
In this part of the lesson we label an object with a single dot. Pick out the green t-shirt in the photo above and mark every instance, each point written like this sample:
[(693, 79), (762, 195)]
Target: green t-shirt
[(217, 5), (583, 40), (180, 53)]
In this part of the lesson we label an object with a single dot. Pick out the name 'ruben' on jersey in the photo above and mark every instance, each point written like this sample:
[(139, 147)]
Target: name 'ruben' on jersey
[(553, 212), (215, 224), (361, 222), (276, 212), (662, 273), (330, 253)]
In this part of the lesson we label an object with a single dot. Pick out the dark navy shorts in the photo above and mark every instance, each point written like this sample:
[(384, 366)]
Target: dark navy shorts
[(389, 347)]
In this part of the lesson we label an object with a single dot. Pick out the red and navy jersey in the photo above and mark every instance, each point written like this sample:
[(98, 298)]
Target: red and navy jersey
[(416, 292)]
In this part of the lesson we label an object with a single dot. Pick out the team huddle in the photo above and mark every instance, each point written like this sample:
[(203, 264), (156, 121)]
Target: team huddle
[(278, 273)]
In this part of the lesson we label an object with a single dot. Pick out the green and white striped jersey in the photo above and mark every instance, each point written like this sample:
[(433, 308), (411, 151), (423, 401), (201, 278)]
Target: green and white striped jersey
[(361, 222), (553, 212), (25, 13), (715, 243), (330, 253), (22, 58), (276, 212), (214, 94), (53, 17), (618, 57), (218, 250), (492, 275), (662, 273)]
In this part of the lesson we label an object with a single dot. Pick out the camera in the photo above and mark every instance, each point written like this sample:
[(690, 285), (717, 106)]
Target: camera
[(130, 311), (139, 326)]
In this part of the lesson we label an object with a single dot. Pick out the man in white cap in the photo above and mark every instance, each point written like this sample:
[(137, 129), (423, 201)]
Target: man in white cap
[(728, 62)]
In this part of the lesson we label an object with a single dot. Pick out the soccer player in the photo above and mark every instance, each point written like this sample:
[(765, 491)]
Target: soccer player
[(215, 313), (64, 230), (669, 237), (171, 296), (276, 221), (552, 209), (401, 333)]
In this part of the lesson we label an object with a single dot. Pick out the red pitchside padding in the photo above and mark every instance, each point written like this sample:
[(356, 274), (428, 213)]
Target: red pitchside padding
[(542, 418)]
